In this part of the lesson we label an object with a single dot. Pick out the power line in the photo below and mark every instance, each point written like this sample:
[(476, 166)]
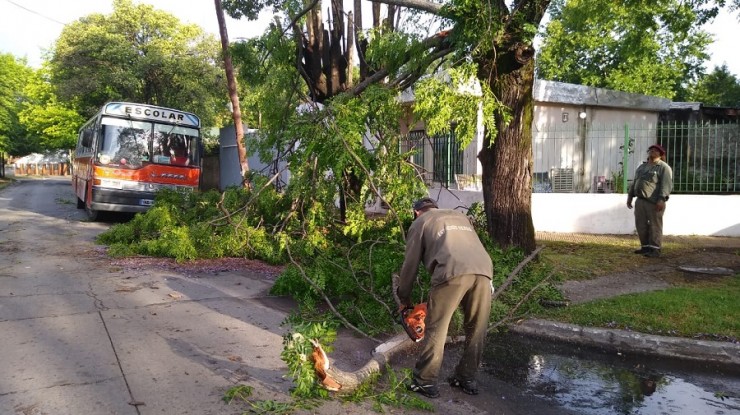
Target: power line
[(35, 12)]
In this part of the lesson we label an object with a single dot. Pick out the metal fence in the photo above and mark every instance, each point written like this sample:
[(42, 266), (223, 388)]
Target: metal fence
[(437, 159), (704, 156)]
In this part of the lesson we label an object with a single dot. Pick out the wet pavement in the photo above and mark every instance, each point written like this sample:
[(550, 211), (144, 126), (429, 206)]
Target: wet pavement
[(584, 380)]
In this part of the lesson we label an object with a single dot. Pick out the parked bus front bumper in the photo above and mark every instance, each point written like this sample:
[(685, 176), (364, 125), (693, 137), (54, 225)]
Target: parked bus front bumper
[(113, 200)]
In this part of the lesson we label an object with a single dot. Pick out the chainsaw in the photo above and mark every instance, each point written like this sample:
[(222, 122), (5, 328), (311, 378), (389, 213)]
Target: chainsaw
[(412, 320)]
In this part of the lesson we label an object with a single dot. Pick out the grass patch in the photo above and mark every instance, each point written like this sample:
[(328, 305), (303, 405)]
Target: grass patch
[(708, 312), (603, 256), (63, 201), (705, 308)]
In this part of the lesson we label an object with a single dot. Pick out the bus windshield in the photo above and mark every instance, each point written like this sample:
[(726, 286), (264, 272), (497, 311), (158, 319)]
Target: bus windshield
[(124, 143), (130, 144)]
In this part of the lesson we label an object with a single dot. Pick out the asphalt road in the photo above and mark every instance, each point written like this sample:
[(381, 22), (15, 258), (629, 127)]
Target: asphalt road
[(82, 336)]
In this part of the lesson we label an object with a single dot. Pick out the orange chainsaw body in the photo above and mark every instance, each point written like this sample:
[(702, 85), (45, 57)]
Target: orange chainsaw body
[(412, 320)]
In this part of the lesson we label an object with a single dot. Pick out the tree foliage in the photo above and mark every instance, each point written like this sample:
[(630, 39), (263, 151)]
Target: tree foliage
[(270, 85), (140, 54), (51, 123), (14, 73), (310, 115), (652, 48), (718, 88), (496, 39)]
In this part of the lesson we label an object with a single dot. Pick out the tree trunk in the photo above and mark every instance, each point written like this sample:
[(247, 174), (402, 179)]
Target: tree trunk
[(336, 379), (233, 91), (507, 164)]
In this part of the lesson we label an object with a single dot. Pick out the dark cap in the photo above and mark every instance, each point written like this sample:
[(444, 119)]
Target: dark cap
[(658, 147), (424, 203)]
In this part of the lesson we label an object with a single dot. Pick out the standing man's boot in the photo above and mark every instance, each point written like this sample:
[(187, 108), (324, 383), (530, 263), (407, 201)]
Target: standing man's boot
[(652, 253)]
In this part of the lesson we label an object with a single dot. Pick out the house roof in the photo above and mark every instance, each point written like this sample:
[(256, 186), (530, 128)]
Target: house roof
[(563, 93), (581, 95), (702, 112), (694, 106)]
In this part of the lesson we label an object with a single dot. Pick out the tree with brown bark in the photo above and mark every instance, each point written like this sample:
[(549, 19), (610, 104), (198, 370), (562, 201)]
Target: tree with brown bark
[(233, 91), (498, 38), (495, 37), (326, 49)]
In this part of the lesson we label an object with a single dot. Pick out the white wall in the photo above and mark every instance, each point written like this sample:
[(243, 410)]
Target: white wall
[(714, 215)]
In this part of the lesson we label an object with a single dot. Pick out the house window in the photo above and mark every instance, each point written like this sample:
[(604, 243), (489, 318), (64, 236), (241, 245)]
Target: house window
[(415, 142), (447, 158)]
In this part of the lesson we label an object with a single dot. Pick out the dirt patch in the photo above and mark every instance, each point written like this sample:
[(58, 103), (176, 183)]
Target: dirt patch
[(200, 266), (580, 291)]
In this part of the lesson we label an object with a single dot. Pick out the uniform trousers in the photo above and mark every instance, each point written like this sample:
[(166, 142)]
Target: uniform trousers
[(473, 293), (649, 224)]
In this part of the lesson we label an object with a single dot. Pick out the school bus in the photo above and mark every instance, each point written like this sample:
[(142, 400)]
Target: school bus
[(127, 152)]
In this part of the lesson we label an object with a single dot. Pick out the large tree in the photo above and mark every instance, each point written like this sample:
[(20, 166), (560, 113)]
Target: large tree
[(14, 73), (323, 54), (47, 121), (497, 39), (141, 54), (646, 47), (718, 88)]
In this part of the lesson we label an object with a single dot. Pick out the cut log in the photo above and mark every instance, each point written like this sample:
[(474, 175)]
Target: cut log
[(335, 379)]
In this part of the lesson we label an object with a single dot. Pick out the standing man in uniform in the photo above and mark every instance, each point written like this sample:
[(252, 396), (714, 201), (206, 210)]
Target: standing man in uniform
[(652, 186), (461, 271)]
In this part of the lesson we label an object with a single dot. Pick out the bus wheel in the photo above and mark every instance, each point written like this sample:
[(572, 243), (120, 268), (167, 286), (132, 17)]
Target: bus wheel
[(92, 214), (80, 204)]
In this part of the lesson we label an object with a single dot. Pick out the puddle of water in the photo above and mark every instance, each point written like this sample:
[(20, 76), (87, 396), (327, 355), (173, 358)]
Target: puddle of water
[(594, 382)]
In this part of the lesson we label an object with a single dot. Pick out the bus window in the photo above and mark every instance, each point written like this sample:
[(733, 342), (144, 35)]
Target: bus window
[(161, 152), (124, 143), (175, 145), (179, 150)]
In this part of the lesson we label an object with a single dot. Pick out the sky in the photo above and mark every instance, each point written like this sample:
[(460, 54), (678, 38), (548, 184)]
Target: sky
[(28, 27)]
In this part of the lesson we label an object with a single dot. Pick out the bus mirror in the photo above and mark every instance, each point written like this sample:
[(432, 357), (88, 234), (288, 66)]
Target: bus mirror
[(87, 138)]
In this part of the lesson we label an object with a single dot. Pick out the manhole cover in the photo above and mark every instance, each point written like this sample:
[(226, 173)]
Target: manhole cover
[(706, 270)]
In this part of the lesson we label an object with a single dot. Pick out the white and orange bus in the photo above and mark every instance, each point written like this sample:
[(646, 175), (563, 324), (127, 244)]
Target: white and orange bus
[(127, 152)]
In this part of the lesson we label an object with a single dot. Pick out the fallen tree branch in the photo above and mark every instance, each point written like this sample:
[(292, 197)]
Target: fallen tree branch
[(515, 272), (381, 357), (326, 298), (227, 215), (371, 290), (526, 296)]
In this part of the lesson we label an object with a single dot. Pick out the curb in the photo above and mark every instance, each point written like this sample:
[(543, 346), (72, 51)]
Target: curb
[(724, 353)]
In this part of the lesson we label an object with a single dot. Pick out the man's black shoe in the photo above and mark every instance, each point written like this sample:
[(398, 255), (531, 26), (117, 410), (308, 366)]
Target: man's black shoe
[(468, 386), (653, 253), (430, 391), (642, 251)]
